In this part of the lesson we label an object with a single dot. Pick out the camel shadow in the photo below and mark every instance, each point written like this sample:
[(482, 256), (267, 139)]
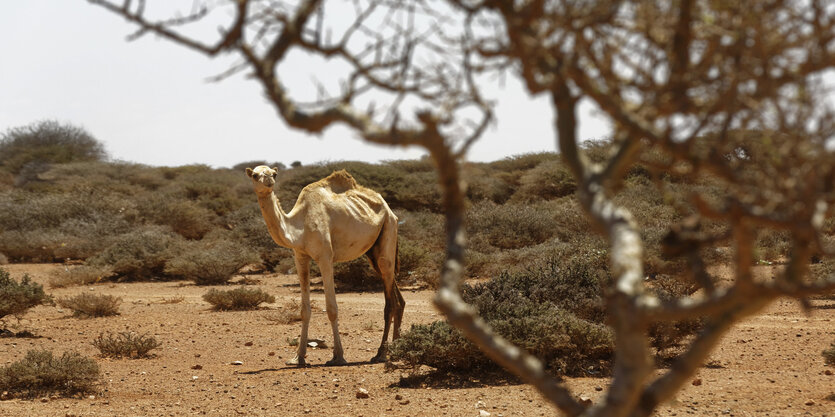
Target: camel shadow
[(309, 366), (456, 380)]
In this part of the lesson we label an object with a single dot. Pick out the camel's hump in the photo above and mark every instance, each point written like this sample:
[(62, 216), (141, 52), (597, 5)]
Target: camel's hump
[(339, 181)]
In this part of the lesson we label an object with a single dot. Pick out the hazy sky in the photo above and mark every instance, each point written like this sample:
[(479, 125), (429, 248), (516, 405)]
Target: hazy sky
[(149, 101)]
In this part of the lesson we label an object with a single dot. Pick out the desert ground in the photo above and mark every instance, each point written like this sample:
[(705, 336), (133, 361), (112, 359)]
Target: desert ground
[(768, 365)]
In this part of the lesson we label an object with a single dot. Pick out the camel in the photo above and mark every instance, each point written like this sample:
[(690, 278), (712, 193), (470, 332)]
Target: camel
[(334, 220)]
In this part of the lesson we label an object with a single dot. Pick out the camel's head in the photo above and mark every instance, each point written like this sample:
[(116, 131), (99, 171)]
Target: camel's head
[(263, 178)]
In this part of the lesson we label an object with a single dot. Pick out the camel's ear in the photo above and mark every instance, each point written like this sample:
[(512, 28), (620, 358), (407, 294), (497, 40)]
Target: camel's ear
[(276, 171), (249, 172)]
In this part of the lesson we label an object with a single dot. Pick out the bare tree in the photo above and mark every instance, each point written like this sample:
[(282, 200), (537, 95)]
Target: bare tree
[(733, 91)]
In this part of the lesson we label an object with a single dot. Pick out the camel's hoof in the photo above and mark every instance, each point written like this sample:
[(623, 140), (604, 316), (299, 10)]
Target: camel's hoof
[(336, 362), (296, 362), (378, 359)]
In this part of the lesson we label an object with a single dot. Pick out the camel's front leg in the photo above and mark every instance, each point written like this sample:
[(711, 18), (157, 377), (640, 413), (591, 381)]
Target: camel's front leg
[(303, 270), (326, 266)]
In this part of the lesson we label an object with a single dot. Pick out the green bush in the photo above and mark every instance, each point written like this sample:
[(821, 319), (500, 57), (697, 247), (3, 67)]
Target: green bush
[(17, 297), (140, 254), (47, 142), (125, 345), (240, 298), (42, 373), (211, 262), (554, 312), (92, 305)]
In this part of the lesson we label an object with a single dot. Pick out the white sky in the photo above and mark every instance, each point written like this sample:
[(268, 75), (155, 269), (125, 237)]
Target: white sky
[(148, 100)]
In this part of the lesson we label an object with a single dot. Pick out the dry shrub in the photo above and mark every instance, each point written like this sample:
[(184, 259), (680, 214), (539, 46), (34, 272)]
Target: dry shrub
[(17, 297), (42, 373), (125, 345), (3, 259), (509, 226), (418, 263), (241, 298), (356, 275), (547, 181), (47, 141), (288, 314), (829, 355), (212, 262), (184, 217), (92, 305), (141, 254), (248, 228), (79, 275)]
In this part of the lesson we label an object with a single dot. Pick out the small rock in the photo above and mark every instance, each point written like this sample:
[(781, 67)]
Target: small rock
[(194, 377), (248, 344), (598, 389), (398, 397), (4, 396), (197, 367), (810, 402), (92, 397), (44, 400), (482, 413), (362, 393), (404, 402), (313, 344), (827, 372), (585, 400), (480, 404), (237, 363), (271, 354), (696, 382)]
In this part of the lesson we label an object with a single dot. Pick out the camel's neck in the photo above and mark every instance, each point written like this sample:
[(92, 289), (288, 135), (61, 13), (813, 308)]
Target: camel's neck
[(281, 228)]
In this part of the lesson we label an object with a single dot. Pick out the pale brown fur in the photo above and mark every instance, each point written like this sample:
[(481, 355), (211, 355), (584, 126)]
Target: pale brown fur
[(334, 220)]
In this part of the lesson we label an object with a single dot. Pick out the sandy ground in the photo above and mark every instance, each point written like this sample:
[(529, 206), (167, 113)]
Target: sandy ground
[(769, 365)]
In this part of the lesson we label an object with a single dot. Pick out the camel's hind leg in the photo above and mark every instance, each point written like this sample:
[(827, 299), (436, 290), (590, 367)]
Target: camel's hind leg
[(383, 256)]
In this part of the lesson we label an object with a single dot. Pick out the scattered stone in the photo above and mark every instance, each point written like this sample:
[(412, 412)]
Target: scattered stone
[(398, 397), (4, 396), (92, 397), (237, 363), (271, 354), (480, 404), (827, 372), (194, 377), (696, 382), (44, 400), (598, 389), (248, 344), (197, 367), (482, 413), (313, 344), (404, 402), (362, 393), (810, 402), (585, 400)]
